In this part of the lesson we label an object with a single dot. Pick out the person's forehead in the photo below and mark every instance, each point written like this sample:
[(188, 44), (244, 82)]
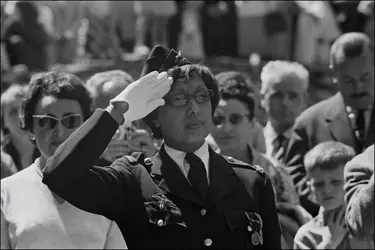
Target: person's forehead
[(328, 174), (193, 82), (231, 105), (286, 83), (356, 65), (52, 104)]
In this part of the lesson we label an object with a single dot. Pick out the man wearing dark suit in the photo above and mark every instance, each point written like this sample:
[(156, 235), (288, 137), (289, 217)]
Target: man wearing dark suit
[(193, 197), (345, 117), (359, 196)]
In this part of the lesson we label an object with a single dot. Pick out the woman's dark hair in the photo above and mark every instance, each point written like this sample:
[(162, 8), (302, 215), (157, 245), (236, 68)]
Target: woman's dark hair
[(58, 84), (186, 72), (236, 85)]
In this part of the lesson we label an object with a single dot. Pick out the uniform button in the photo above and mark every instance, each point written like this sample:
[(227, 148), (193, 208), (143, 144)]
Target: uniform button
[(230, 159), (203, 212), (160, 223), (207, 242)]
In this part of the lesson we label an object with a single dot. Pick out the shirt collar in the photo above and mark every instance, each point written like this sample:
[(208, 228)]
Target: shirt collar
[(270, 133), (179, 156)]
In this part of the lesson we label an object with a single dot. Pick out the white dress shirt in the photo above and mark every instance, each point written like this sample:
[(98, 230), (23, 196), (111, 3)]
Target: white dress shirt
[(179, 158), (270, 136)]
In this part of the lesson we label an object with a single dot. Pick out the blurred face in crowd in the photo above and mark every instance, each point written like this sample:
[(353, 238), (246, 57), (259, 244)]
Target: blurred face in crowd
[(186, 121), (232, 127), (283, 100), (328, 187), (11, 105), (49, 132), (356, 79)]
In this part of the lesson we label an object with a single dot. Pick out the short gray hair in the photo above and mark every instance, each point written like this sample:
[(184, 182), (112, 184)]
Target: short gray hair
[(275, 71)]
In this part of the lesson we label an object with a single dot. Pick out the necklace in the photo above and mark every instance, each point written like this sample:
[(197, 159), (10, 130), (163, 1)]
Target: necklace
[(38, 170)]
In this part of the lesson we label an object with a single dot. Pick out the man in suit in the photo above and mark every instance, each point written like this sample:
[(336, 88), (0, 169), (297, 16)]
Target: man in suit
[(359, 188), (283, 97), (346, 117), (193, 197)]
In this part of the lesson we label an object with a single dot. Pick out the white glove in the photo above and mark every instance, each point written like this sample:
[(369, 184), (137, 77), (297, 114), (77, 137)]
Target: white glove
[(144, 95)]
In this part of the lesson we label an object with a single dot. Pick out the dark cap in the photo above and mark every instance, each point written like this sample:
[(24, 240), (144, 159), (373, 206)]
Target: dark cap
[(161, 59)]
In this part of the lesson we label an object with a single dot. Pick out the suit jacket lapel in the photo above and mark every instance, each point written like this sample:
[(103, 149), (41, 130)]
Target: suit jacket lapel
[(222, 179), (338, 122), (173, 180)]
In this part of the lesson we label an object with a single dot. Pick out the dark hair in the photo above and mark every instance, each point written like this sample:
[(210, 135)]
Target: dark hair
[(236, 85), (349, 45), (328, 155), (186, 72), (58, 84), (101, 97)]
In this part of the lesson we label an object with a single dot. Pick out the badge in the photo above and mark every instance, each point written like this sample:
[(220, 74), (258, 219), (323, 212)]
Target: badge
[(255, 228), (255, 238)]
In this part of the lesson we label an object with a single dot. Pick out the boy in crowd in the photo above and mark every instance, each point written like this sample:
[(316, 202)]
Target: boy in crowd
[(324, 166)]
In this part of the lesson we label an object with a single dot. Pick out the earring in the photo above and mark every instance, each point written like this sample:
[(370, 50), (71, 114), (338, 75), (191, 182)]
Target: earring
[(32, 137)]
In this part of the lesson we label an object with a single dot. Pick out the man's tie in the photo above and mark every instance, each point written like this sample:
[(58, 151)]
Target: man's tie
[(361, 128), (197, 174), (279, 147)]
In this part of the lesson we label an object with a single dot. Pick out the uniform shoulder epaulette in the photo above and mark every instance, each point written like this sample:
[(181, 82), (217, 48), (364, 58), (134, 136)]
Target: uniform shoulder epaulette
[(240, 164), (236, 163)]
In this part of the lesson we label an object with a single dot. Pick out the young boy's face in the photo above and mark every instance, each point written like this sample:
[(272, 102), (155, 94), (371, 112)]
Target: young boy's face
[(328, 187)]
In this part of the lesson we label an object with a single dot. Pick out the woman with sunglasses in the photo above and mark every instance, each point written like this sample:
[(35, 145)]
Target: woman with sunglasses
[(233, 122), (32, 216)]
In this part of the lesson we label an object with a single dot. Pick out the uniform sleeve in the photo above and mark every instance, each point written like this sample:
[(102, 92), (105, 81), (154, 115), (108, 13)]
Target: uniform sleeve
[(298, 146), (71, 173), (359, 196), (115, 240), (271, 225)]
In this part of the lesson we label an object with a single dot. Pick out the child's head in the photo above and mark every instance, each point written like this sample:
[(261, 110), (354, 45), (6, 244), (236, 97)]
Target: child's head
[(324, 166)]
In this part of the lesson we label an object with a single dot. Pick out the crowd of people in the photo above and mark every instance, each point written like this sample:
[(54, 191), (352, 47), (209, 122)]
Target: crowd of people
[(180, 157)]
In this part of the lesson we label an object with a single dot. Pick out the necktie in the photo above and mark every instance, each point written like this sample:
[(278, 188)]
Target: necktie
[(197, 174), (279, 147), (361, 126)]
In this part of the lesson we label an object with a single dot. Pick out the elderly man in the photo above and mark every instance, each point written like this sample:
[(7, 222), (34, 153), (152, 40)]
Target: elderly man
[(345, 117), (193, 197), (283, 96)]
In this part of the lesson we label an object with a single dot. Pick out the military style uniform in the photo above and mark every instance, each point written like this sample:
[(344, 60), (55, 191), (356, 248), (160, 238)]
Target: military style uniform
[(239, 211)]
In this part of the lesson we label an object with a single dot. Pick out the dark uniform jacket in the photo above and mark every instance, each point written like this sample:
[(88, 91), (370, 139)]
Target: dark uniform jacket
[(158, 208)]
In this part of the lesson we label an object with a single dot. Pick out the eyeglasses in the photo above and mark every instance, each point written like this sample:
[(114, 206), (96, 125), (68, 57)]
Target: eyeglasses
[(233, 118), (50, 122), (200, 97)]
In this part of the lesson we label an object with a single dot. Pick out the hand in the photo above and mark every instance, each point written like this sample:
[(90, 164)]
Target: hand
[(144, 95), (116, 149), (141, 141), (335, 229)]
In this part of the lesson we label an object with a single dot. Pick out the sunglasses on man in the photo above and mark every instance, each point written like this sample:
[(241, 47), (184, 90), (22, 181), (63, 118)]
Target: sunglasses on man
[(49, 122), (233, 118)]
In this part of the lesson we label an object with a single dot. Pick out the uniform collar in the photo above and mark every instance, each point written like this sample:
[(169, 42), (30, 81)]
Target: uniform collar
[(179, 156)]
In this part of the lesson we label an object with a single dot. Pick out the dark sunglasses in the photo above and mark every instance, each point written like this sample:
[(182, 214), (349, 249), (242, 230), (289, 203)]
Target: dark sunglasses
[(50, 122), (234, 119), (201, 96)]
